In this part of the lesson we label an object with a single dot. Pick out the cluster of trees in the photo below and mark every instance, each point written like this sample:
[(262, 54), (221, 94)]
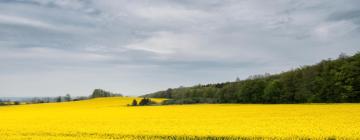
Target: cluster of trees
[(5, 102), (143, 102), (39, 100), (330, 81), (102, 93), (66, 98)]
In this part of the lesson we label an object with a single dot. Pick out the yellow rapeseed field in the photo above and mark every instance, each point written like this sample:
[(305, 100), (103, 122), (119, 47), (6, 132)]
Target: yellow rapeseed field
[(110, 118)]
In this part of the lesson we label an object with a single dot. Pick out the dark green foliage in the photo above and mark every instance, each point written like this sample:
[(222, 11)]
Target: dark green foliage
[(145, 101), (272, 92), (190, 101), (102, 93), (58, 99), (16, 103), (79, 98), (134, 103), (330, 81)]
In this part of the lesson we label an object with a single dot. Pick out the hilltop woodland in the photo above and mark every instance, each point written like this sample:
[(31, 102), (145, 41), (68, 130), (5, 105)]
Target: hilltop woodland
[(330, 81), (102, 93)]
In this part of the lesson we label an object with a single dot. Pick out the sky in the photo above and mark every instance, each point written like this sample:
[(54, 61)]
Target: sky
[(55, 47)]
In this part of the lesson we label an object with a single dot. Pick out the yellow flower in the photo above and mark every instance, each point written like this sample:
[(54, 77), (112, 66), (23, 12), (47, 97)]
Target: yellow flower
[(111, 118)]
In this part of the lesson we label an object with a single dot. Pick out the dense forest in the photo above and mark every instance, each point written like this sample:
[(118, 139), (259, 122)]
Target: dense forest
[(330, 81)]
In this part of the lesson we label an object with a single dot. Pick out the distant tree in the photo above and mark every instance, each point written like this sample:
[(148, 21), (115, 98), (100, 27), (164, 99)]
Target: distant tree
[(16, 103), (79, 98), (47, 99), (58, 99), (134, 102), (67, 97), (35, 100), (272, 92), (343, 56), (102, 93), (145, 101), (142, 102), (168, 93)]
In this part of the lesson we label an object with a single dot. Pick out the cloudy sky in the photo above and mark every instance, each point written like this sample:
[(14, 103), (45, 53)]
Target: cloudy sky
[(54, 47)]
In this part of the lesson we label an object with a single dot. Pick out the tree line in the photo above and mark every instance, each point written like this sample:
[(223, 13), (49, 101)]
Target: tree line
[(67, 98), (39, 100), (330, 81)]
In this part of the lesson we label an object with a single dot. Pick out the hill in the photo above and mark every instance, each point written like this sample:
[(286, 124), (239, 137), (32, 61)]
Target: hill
[(330, 81)]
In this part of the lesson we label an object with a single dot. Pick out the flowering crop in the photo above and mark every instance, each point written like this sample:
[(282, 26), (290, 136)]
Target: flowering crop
[(110, 118)]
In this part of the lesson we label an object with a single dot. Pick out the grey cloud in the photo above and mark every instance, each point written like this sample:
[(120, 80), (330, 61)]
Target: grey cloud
[(128, 44), (352, 15)]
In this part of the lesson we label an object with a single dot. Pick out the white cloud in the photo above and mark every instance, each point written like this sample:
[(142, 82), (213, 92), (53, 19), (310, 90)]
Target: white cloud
[(166, 43)]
